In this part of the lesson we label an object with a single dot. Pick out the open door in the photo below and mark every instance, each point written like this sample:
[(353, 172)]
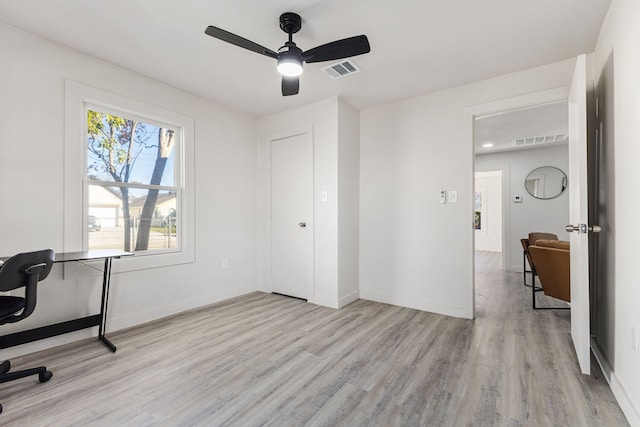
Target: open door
[(578, 212)]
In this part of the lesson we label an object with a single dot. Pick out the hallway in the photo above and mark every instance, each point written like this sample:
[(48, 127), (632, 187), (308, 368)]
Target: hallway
[(539, 362)]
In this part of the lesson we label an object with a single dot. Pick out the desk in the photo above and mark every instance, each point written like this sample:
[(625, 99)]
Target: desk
[(99, 320)]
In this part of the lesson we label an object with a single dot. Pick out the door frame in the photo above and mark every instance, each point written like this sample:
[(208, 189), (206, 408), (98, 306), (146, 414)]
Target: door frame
[(275, 136), (503, 105)]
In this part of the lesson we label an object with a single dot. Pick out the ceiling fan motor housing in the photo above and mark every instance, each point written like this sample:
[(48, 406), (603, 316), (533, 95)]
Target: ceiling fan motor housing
[(290, 22), (290, 50)]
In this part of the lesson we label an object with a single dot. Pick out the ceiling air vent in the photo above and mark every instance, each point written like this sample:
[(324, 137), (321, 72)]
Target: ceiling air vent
[(541, 139), (341, 69)]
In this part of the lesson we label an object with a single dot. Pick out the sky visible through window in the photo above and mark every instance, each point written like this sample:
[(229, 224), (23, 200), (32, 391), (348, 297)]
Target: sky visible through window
[(143, 153)]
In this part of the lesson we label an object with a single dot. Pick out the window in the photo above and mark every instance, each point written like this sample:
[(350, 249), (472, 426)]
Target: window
[(133, 190), (128, 178)]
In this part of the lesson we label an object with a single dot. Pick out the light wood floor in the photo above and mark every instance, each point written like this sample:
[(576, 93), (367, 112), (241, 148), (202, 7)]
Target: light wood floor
[(264, 359)]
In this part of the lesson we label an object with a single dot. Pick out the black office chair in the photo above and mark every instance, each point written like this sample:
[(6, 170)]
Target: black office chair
[(22, 270)]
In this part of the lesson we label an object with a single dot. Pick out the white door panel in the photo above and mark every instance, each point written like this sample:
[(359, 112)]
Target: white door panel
[(291, 216), (578, 213)]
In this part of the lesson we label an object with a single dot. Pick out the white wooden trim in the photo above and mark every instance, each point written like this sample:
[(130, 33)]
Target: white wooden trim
[(77, 96), (469, 115)]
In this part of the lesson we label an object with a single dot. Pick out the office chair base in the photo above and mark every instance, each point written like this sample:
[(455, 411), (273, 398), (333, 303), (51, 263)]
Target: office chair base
[(45, 376), (5, 375)]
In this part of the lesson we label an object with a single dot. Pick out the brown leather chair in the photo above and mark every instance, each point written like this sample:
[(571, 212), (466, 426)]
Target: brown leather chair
[(551, 259), (537, 235), (526, 256)]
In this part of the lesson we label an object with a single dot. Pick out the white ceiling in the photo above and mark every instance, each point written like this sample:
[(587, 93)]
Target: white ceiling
[(417, 46), (539, 121)]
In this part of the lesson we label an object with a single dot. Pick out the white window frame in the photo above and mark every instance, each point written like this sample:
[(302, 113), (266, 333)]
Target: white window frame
[(79, 98), (177, 187)]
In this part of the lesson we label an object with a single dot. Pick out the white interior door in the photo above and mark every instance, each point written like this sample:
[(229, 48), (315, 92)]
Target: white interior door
[(291, 216), (488, 209), (578, 212)]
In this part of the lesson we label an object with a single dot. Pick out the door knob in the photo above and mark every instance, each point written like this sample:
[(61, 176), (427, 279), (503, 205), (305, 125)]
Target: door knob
[(571, 228), (583, 228), (302, 224)]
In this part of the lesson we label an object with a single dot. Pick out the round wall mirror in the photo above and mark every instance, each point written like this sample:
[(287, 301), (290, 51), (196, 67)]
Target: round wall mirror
[(546, 182)]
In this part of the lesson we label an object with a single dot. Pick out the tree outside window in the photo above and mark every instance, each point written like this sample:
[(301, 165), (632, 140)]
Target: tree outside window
[(133, 188)]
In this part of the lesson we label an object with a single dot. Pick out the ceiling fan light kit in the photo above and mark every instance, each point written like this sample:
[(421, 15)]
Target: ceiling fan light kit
[(290, 61), (289, 67), (291, 58)]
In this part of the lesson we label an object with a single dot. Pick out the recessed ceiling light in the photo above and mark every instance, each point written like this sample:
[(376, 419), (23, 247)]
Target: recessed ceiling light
[(487, 145)]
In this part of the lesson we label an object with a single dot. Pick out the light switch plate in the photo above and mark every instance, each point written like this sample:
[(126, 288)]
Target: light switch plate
[(452, 196)]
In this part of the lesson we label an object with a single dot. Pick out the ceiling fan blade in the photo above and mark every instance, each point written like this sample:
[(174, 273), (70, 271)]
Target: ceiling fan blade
[(338, 49), (290, 85), (228, 37)]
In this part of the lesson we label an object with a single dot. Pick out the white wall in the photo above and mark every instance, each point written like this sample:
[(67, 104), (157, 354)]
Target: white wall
[(415, 251), (31, 174), (532, 214), (348, 202), (617, 52)]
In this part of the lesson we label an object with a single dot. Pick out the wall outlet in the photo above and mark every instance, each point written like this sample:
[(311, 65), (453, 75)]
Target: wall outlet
[(635, 340), (225, 263)]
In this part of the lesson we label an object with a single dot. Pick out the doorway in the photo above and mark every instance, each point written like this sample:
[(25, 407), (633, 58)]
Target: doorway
[(512, 138)]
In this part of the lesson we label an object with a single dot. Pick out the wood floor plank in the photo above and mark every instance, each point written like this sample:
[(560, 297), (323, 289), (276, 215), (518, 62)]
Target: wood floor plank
[(269, 360)]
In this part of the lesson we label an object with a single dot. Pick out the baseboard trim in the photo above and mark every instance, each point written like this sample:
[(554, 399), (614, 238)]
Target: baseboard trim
[(127, 321), (336, 303), (459, 312), (123, 322), (47, 343), (325, 301), (627, 406), (348, 299)]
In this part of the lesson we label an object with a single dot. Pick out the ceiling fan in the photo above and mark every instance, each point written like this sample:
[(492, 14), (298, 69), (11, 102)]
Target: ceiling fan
[(290, 57)]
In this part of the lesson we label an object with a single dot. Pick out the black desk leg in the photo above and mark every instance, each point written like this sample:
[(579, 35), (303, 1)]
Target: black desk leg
[(106, 279)]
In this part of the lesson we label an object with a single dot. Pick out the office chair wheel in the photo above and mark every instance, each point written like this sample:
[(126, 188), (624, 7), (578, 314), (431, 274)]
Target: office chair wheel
[(0, 409), (45, 376)]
